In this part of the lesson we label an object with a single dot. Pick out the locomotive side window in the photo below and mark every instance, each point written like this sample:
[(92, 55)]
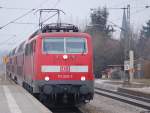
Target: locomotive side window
[(34, 46), (13, 52), (53, 45), (20, 49), (30, 48), (75, 45), (27, 49)]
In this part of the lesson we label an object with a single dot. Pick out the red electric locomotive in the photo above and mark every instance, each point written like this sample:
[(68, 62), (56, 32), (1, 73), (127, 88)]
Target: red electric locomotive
[(56, 63)]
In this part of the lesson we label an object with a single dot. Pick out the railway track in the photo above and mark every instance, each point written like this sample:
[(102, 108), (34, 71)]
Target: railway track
[(127, 98), (66, 110), (62, 108)]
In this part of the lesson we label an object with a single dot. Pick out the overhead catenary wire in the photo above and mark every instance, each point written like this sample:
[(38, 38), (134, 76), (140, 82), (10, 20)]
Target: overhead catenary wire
[(29, 23), (2, 43), (32, 23), (11, 44), (14, 20), (129, 2), (57, 2), (137, 11), (42, 3), (135, 7), (18, 8), (114, 24), (31, 10), (49, 18), (13, 8), (28, 12), (108, 20), (17, 18), (7, 34)]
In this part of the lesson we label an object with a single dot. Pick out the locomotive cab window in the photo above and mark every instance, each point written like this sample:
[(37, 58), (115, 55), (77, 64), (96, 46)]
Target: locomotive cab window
[(52, 45), (75, 45), (64, 45)]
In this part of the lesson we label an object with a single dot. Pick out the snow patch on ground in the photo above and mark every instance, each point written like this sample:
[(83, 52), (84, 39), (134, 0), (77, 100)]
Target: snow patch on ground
[(101, 81), (106, 84), (144, 89)]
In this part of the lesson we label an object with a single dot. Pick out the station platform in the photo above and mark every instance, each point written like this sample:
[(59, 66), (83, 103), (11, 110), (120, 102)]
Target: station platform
[(135, 88), (15, 99)]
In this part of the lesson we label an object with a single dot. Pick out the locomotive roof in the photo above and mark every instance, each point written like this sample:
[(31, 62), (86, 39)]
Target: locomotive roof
[(56, 27), (50, 28)]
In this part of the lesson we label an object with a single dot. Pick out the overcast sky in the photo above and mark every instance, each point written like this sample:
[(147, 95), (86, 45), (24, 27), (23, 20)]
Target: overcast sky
[(77, 12)]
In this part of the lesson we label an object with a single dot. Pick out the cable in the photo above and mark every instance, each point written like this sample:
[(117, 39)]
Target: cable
[(31, 23), (129, 2), (2, 43), (42, 3), (12, 8), (58, 1), (117, 8), (114, 24), (17, 18), (11, 44), (28, 23), (137, 11), (49, 18), (22, 15), (13, 21), (7, 34)]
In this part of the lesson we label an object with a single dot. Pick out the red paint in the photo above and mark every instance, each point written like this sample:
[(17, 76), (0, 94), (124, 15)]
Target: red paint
[(32, 63)]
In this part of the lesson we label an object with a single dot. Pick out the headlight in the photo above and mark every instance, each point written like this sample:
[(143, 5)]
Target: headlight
[(46, 78), (83, 78), (65, 57)]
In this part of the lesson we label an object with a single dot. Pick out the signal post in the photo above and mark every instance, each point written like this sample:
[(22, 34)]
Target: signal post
[(131, 62), (5, 61)]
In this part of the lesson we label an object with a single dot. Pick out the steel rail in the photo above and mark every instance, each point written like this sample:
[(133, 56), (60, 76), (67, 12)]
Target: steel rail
[(127, 98), (145, 99)]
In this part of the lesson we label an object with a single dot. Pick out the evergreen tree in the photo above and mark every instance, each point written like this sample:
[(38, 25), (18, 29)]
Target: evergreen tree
[(104, 46), (99, 21), (144, 42), (145, 32)]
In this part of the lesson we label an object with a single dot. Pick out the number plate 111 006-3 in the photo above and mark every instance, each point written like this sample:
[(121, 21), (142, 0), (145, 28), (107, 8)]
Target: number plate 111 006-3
[(64, 76)]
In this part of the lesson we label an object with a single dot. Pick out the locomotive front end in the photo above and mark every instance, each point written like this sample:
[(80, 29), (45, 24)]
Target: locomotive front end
[(65, 69)]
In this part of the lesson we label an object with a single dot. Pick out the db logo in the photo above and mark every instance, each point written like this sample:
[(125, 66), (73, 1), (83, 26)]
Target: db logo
[(65, 69)]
